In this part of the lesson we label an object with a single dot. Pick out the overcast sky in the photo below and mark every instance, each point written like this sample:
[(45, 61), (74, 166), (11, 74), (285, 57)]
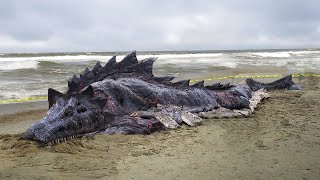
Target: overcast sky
[(122, 25)]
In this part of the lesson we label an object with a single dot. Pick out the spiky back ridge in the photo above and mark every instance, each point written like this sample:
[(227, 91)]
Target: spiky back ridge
[(129, 66)]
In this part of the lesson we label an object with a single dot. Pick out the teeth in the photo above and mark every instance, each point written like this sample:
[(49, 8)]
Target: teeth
[(60, 140)]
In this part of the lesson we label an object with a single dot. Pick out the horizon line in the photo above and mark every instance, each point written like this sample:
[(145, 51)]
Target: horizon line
[(126, 51)]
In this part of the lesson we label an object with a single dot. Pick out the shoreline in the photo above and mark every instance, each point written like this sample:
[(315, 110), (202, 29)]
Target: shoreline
[(12, 108), (17, 117)]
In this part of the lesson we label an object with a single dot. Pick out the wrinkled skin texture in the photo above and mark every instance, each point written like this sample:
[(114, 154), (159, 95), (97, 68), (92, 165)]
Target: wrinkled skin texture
[(105, 99), (68, 117)]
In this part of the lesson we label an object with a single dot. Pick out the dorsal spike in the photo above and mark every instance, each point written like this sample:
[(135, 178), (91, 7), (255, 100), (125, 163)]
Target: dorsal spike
[(87, 77), (88, 91), (143, 67), (219, 86), (53, 96), (86, 70), (129, 66), (112, 60), (214, 86), (182, 83), (97, 67), (165, 79), (199, 84), (73, 87), (74, 78), (128, 60), (110, 64)]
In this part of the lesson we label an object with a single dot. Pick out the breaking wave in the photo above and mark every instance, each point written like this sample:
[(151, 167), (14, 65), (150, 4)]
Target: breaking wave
[(13, 65), (66, 58), (285, 54), (273, 54)]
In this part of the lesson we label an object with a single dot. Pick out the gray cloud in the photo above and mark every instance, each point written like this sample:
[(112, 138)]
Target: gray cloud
[(117, 25)]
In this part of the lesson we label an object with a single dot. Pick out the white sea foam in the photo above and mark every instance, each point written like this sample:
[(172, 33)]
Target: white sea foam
[(285, 54), (185, 59), (66, 58), (230, 60), (183, 56), (304, 53), (72, 58), (12, 65), (272, 54)]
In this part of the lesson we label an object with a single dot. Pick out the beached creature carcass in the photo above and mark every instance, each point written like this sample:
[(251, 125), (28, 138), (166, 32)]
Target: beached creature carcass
[(125, 97)]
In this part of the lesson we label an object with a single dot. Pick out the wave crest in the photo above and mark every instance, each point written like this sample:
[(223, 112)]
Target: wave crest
[(13, 65)]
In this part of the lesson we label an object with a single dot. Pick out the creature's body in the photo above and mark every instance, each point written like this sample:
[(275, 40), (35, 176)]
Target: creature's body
[(126, 98)]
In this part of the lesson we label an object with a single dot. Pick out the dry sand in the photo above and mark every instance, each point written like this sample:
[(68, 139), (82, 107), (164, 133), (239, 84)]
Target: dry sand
[(280, 141)]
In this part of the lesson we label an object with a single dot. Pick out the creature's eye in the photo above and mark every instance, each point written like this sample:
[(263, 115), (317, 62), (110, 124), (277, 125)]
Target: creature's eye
[(81, 109)]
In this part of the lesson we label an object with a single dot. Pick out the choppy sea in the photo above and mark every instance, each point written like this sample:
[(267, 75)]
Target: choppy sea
[(29, 75)]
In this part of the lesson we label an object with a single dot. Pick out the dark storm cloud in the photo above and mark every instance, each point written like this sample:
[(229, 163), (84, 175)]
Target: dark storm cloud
[(97, 25)]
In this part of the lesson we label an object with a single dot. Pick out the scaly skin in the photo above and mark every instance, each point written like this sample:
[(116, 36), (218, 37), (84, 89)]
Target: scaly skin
[(108, 98)]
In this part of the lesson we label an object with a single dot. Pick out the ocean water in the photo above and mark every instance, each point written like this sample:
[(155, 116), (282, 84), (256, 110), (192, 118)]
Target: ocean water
[(29, 75)]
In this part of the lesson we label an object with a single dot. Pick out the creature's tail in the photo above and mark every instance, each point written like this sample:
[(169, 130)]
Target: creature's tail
[(283, 83)]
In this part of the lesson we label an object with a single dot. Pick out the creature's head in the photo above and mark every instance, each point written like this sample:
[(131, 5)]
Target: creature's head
[(68, 116)]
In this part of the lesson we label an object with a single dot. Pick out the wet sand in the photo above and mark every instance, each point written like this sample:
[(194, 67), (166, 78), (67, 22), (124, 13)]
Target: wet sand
[(280, 141)]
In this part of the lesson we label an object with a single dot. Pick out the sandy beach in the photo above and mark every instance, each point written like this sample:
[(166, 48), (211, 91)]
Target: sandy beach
[(280, 141), (99, 62)]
